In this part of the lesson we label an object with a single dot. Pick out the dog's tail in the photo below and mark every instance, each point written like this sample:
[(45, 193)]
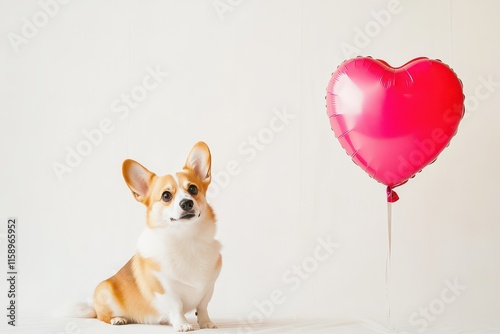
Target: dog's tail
[(76, 310)]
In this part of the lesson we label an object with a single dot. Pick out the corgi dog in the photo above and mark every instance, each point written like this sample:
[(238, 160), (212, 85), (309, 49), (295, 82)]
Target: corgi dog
[(177, 260)]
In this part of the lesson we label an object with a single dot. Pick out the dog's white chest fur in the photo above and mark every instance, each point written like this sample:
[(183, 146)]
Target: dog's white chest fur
[(187, 263)]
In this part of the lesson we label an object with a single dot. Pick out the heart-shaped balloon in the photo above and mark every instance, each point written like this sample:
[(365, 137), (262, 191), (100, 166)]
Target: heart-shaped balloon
[(394, 121)]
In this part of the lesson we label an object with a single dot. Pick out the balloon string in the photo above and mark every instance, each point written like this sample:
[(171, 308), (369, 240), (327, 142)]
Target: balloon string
[(388, 266)]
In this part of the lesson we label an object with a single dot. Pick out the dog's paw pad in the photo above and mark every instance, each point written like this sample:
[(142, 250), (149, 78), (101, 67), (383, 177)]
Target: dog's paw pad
[(209, 325), (183, 328), (118, 321)]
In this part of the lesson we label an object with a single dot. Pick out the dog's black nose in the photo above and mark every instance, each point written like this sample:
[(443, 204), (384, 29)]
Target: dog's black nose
[(186, 204)]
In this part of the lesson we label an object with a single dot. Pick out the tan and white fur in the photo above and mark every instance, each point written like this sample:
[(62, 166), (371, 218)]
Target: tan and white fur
[(177, 260)]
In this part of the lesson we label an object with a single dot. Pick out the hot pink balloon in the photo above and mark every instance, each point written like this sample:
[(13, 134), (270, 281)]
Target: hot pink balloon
[(394, 121)]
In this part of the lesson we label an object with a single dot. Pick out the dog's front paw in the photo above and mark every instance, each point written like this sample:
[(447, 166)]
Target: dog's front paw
[(118, 321), (183, 328), (208, 325)]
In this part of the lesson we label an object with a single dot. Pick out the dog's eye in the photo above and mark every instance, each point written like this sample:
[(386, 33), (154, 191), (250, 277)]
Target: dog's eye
[(193, 190), (166, 196)]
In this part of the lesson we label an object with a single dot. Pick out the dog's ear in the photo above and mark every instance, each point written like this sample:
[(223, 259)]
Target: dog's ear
[(138, 179), (199, 160)]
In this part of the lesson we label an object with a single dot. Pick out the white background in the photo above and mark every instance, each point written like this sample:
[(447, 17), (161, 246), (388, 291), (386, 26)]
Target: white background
[(228, 74)]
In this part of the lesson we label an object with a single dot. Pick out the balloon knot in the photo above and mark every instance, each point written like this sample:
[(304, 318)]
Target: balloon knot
[(391, 195)]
